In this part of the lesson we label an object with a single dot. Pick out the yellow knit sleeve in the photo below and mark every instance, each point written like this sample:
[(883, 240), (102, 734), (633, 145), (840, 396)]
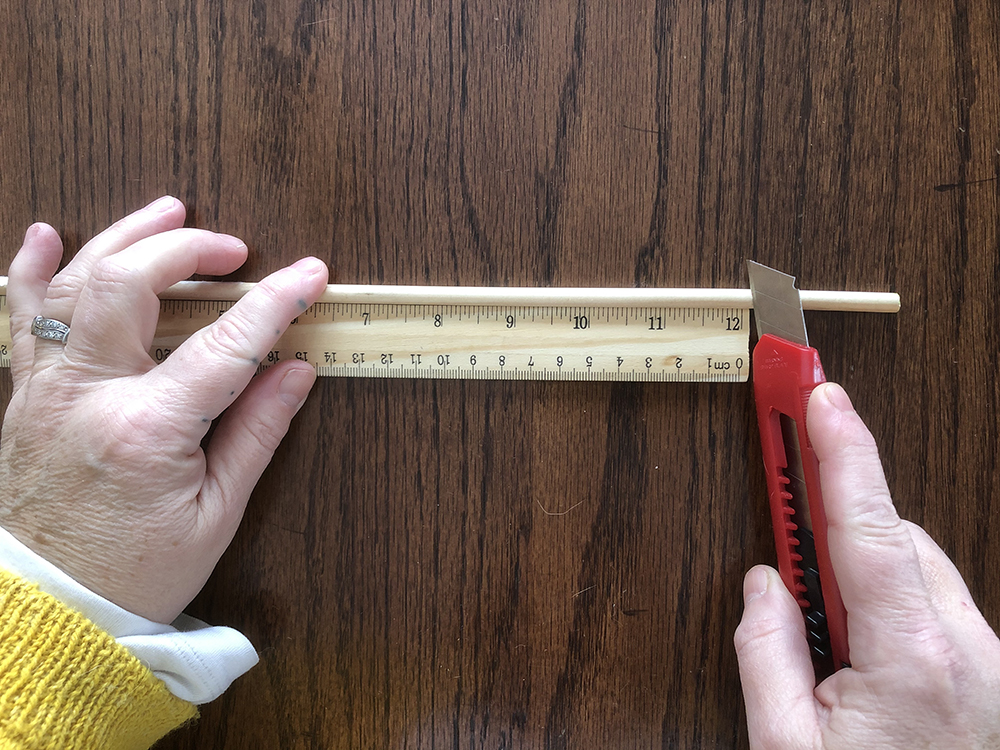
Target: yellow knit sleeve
[(64, 683)]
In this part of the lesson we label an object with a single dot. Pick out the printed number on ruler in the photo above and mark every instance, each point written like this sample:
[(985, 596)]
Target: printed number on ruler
[(486, 342), (495, 342), (5, 344)]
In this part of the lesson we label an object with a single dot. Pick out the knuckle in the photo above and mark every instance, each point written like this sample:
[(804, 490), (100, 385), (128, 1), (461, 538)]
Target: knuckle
[(135, 429), (229, 337), (125, 448), (64, 288), (852, 434), (109, 275), (267, 431), (874, 514), (858, 439), (938, 669), (274, 294), (122, 232), (752, 633), (116, 234), (941, 660)]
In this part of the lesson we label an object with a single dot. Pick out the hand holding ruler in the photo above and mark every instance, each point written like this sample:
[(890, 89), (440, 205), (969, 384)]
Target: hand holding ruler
[(499, 333)]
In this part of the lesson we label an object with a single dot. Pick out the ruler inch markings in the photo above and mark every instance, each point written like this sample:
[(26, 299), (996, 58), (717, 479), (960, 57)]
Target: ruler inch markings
[(574, 343), (684, 335)]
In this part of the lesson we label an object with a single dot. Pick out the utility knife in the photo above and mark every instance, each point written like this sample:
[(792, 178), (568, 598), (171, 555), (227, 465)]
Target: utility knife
[(786, 370)]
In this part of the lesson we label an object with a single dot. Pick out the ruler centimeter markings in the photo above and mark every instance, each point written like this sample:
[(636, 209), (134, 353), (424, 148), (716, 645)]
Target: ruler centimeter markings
[(497, 334), (495, 342)]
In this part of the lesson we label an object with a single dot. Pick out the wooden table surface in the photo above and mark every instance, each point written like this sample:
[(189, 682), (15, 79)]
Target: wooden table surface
[(433, 564)]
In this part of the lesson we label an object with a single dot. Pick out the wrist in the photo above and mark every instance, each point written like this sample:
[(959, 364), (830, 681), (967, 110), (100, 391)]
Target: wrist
[(197, 662)]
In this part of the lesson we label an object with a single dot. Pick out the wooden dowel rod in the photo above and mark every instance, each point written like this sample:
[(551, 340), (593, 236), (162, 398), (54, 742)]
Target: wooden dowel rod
[(885, 302)]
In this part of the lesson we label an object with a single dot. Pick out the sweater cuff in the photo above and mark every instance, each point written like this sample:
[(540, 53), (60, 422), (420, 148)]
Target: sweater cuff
[(197, 662), (66, 683)]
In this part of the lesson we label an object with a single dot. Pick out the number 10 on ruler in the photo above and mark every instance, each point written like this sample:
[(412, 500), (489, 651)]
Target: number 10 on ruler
[(468, 341)]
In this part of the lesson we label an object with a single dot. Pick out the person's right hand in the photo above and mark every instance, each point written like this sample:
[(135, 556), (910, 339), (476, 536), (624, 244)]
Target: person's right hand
[(925, 665)]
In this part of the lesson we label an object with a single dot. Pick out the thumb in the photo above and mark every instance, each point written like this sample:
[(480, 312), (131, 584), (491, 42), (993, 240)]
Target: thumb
[(775, 667), (246, 438)]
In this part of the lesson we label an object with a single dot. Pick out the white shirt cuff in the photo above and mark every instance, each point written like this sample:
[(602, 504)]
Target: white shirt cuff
[(196, 661)]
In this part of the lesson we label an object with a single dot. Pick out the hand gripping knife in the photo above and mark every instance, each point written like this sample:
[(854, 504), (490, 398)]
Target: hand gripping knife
[(785, 372)]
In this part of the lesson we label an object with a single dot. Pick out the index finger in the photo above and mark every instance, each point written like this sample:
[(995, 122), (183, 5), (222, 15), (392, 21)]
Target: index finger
[(873, 554), (209, 370)]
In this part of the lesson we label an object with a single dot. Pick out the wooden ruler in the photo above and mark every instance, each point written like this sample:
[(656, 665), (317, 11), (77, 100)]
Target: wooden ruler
[(497, 333)]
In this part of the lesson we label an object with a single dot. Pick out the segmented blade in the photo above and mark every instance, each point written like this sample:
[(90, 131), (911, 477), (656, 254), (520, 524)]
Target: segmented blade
[(776, 305)]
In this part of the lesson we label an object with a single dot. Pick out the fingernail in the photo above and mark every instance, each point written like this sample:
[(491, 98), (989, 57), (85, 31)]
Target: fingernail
[(838, 397), (236, 242), (755, 584), (32, 231), (295, 386), (162, 204), (310, 266)]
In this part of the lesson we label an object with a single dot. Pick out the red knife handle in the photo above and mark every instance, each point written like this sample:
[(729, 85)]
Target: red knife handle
[(784, 376)]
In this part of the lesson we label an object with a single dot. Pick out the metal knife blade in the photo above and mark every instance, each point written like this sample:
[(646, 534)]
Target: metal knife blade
[(776, 305)]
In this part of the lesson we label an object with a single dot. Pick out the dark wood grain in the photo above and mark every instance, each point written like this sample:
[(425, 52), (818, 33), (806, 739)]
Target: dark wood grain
[(528, 565)]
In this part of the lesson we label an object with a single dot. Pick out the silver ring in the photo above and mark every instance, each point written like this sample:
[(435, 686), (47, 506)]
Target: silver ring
[(53, 330)]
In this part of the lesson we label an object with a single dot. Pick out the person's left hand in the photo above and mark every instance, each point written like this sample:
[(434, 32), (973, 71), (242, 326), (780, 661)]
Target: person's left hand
[(102, 470)]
